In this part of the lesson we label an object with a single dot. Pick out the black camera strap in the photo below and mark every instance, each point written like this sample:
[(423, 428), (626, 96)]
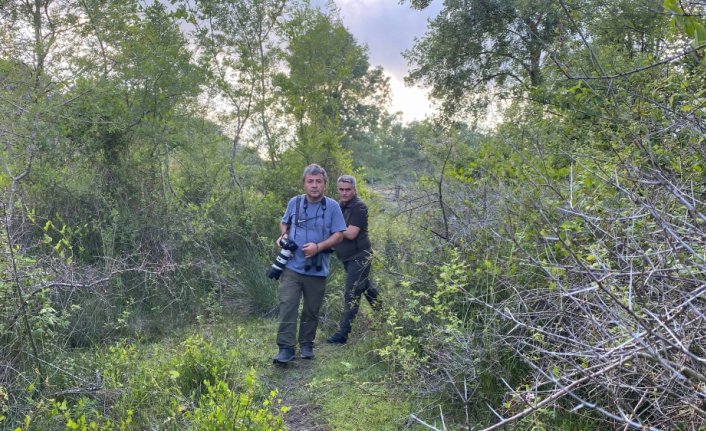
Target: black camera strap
[(298, 204), (306, 205), (294, 218), (296, 209)]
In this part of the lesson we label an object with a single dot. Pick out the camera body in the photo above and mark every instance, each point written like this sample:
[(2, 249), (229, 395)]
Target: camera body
[(282, 257)]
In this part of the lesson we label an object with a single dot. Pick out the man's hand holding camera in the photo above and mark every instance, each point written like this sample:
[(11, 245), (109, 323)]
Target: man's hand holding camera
[(287, 248)]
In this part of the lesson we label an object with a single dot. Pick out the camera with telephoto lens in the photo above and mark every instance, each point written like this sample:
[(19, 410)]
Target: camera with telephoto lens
[(283, 256)]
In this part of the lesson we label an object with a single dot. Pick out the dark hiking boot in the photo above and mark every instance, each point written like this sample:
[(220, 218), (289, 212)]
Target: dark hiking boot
[(337, 338), (285, 355), (307, 351)]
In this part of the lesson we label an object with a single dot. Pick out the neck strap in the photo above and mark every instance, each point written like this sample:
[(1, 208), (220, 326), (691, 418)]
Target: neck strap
[(305, 204)]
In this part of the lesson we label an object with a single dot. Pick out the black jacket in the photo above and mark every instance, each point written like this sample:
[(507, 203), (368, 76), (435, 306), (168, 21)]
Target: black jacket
[(355, 212)]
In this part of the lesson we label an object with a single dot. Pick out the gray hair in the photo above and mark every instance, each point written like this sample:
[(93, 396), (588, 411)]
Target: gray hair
[(314, 169), (347, 179)]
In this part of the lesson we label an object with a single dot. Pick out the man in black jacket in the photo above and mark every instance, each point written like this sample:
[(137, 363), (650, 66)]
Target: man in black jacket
[(355, 251)]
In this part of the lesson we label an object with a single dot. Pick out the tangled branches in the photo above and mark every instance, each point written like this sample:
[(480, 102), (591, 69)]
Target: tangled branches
[(619, 325)]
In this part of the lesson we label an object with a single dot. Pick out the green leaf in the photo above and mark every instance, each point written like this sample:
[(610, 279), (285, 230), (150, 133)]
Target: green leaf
[(700, 35), (671, 5), (690, 27)]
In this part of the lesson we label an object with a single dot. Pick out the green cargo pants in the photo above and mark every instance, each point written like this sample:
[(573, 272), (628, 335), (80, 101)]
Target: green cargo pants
[(292, 288)]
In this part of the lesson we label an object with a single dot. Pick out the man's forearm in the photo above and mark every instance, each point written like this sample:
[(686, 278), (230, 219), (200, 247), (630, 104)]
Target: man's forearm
[(351, 232), (331, 241)]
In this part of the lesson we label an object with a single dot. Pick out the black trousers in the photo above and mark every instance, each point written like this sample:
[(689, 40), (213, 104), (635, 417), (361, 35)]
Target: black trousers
[(357, 284)]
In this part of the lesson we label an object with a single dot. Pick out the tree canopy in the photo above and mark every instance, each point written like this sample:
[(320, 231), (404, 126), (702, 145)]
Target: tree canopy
[(544, 271)]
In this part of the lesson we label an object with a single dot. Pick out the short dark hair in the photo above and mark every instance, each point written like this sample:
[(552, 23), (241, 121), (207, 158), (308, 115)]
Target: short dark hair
[(314, 169), (347, 179)]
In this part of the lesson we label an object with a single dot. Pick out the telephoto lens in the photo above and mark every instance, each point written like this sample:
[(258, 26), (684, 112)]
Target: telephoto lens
[(278, 265), (283, 256)]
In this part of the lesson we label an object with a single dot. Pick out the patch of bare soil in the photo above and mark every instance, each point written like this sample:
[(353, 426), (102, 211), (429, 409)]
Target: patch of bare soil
[(292, 381), (304, 417)]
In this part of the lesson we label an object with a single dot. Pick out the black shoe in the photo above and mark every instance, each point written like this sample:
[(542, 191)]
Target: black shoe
[(337, 338), (285, 355), (307, 351)]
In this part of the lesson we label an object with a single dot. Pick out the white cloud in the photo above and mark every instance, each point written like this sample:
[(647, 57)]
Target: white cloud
[(362, 7), (386, 27), (413, 102), (389, 28)]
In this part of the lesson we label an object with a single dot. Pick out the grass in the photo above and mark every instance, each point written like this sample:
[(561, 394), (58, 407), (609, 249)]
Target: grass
[(344, 388), (160, 385)]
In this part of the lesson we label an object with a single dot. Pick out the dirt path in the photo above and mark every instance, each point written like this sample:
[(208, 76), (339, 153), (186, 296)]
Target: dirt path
[(293, 380)]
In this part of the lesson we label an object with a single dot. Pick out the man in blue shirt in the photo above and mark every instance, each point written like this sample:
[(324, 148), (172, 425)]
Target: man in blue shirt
[(315, 223)]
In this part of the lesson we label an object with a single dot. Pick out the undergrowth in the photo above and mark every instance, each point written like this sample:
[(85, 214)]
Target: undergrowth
[(203, 380), (217, 377)]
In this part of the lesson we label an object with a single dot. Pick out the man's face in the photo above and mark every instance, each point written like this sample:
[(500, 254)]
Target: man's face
[(346, 192), (314, 186)]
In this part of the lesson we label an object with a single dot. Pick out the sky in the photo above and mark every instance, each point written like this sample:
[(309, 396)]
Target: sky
[(387, 28)]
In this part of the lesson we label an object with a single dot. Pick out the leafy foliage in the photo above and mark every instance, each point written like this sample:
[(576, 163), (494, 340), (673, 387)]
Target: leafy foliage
[(200, 385), (330, 90), (546, 273), (475, 48)]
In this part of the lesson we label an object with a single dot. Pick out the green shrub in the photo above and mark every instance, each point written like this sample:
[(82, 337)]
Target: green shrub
[(196, 383), (201, 362), (221, 408)]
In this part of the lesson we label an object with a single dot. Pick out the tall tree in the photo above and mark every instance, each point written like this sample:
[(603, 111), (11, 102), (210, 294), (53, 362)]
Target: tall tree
[(330, 89), (33, 48), (239, 46), (129, 102), (475, 47)]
